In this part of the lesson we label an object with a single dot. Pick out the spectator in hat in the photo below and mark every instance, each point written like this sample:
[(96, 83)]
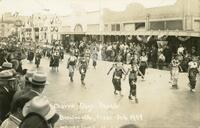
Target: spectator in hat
[(41, 106), (37, 83), (27, 87), (15, 116), (6, 66), (8, 87), (31, 118), (28, 75)]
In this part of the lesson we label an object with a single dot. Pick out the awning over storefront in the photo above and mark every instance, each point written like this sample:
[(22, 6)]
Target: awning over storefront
[(74, 33), (156, 33), (148, 33)]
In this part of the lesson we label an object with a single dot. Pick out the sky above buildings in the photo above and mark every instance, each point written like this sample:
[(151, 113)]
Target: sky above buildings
[(66, 7)]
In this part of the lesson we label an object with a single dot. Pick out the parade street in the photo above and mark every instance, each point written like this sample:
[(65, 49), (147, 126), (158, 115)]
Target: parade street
[(96, 105)]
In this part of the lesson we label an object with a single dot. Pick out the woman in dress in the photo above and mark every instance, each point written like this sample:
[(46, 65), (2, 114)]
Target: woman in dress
[(143, 64)]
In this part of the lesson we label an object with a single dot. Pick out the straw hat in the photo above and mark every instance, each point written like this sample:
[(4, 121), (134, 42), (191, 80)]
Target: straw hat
[(7, 75), (40, 105), (7, 65), (39, 79), (29, 74)]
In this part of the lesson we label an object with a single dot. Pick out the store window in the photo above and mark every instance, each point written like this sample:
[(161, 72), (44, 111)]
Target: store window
[(115, 27)]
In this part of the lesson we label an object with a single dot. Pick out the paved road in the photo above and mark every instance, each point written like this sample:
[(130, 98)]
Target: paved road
[(96, 106)]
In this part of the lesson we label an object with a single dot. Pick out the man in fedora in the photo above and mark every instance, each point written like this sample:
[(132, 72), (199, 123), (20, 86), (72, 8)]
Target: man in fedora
[(26, 87), (37, 83), (41, 106), (8, 87)]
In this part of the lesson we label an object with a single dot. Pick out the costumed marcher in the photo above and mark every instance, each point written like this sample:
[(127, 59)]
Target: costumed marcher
[(41, 106), (38, 57), (87, 56), (8, 87), (82, 47), (30, 55), (128, 57), (134, 58), (143, 64), (133, 72), (175, 71), (54, 61), (76, 52), (83, 69), (62, 52), (192, 74), (94, 58), (117, 75), (71, 65), (161, 61), (51, 59)]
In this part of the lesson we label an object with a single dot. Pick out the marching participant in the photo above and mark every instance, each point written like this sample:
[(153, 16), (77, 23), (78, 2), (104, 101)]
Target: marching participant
[(83, 69), (192, 74), (143, 64), (87, 56), (71, 65), (38, 57), (76, 52), (54, 61), (30, 55), (133, 72), (175, 71), (117, 75), (62, 52), (94, 57)]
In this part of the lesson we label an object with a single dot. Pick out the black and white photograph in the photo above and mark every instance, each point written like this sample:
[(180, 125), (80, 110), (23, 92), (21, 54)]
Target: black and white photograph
[(99, 63)]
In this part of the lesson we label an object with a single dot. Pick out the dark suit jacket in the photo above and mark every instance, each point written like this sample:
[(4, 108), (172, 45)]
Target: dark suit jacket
[(27, 94)]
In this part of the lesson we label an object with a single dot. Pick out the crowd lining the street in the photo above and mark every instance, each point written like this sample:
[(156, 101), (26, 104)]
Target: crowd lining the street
[(21, 102)]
